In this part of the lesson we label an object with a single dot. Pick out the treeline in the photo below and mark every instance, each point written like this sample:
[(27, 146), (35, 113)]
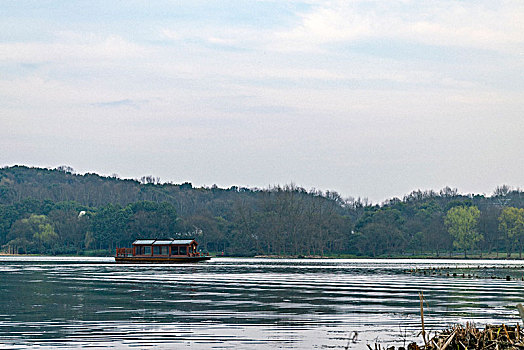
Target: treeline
[(33, 226), (55, 211)]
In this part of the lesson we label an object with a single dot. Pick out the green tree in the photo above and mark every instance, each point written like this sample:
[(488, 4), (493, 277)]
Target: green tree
[(148, 219), (34, 230), (8, 215), (108, 226), (488, 226), (462, 226), (511, 222), (436, 236), (71, 226), (20, 237), (380, 232), (378, 239)]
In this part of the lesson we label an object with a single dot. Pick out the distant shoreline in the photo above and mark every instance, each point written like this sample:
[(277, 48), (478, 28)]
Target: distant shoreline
[(514, 257), (379, 257)]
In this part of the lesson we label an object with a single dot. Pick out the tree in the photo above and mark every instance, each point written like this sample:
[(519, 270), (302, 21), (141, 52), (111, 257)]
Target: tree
[(378, 239), (380, 232), (436, 236), (108, 226), (279, 220), (511, 222), (8, 215), (45, 235), (71, 226), (36, 230), (462, 226), (488, 226), (501, 191), (20, 237), (148, 219)]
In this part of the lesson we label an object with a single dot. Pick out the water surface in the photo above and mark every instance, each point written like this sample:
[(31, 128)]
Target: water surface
[(242, 303)]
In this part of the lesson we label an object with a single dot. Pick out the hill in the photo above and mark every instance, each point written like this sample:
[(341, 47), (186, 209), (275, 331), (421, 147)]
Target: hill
[(56, 211)]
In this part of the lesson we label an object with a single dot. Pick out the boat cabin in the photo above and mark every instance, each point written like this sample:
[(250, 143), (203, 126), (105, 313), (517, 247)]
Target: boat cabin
[(161, 248)]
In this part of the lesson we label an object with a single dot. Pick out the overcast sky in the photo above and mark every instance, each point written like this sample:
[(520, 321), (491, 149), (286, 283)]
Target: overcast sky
[(367, 98)]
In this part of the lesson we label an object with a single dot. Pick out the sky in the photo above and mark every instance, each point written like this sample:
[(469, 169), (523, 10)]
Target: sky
[(367, 98)]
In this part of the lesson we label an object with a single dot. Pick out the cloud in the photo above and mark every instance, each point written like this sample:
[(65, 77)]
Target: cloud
[(71, 46), (447, 23), (117, 103), (241, 38), (327, 25)]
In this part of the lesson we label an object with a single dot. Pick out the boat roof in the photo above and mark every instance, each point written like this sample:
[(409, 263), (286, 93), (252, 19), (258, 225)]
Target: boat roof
[(164, 241), (182, 241), (144, 241)]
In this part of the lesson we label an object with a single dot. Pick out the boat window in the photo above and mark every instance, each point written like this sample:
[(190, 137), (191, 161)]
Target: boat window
[(183, 251), (174, 250), (146, 250)]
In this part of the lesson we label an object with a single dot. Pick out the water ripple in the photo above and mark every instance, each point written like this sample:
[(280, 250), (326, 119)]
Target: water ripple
[(244, 303)]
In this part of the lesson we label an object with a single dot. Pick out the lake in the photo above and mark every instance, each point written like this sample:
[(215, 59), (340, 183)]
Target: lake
[(242, 303)]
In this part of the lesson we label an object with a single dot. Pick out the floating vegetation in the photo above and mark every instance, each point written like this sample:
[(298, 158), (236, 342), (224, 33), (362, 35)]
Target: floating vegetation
[(458, 337), (507, 273), (492, 337), (470, 337)]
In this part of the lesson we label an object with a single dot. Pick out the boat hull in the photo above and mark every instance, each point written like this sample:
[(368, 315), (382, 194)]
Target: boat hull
[(161, 260)]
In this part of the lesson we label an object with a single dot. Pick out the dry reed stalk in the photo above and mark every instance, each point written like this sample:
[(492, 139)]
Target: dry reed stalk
[(421, 297), (470, 337)]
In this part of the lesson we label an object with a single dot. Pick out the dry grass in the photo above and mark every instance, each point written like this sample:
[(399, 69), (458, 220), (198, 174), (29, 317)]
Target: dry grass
[(469, 337)]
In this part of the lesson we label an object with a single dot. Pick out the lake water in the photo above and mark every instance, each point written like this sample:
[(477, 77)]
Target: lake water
[(242, 303)]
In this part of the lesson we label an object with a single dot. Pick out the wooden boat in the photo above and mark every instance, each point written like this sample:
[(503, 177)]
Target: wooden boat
[(160, 251)]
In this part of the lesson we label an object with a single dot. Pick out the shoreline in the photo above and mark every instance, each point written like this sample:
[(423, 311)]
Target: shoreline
[(375, 258), (298, 257)]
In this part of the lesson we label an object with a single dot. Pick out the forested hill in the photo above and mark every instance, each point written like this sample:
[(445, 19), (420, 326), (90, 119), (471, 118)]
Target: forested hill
[(56, 211)]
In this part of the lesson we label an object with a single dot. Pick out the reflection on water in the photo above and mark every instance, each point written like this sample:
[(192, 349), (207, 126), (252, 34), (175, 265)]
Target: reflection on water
[(239, 303)]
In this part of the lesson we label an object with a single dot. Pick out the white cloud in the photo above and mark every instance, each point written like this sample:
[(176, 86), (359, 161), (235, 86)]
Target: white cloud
[(326, 25), (71, 46), (450, 23), (170, 34)]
